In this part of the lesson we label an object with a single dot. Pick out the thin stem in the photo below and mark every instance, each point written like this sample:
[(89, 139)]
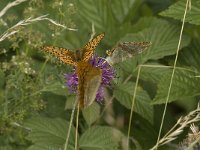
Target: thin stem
[(133, 103), (76, 135), (111, 99), (172, 76), (70, 125)]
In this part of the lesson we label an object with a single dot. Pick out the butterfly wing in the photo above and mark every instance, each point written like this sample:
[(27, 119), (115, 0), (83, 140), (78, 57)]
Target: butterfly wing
[(64, 55), (89, 80), (126, 50), (134, 48), (92, 84), (89, 48)]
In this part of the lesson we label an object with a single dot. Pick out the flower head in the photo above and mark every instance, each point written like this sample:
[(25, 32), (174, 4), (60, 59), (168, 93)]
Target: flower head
[(108, 74)]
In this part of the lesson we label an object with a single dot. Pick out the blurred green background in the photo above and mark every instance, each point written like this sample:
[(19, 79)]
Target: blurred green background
[(35, 104)]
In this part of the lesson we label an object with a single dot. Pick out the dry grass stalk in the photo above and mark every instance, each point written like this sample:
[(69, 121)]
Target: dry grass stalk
[(12, 30), (10, 5), (192, 142), (177, 129)]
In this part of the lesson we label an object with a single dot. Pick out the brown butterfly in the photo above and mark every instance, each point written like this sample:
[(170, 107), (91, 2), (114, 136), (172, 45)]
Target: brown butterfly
[(125, 50), (89, 77)]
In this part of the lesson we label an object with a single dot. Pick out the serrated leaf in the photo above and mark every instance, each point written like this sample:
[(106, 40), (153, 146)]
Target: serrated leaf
[(99, 138), (45, 147), (177, 10), (91, 113), (190, 55), (49, 133), (164, 38), (124, 94), (145, 22), (96, 12), (102, 15), (153, 72), (184, 85), (121, 8)]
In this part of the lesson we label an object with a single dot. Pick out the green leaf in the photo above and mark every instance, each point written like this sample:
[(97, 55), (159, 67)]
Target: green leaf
[(91, 113), (45, 147), (49, 133), (177, 10), (145, 22), (100, 138), (103, 14), (190, 55), (124, 94), (96, 12), (71, 99), (164, 37), (6, 148), (56, 88), (122, 8), (153, 72), (184, 85)]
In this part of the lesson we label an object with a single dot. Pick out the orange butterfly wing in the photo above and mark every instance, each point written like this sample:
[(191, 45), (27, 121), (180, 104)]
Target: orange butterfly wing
[(64, 55), (89, 48)]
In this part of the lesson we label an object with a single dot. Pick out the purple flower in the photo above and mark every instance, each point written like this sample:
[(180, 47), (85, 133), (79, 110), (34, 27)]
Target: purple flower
[(72, 81), (108, 74)]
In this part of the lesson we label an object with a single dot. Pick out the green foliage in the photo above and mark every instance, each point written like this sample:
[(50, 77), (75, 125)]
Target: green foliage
[(2, 79), (48, 133), (185, 84), (164, 37), (92, 113), (56, 88), (33, 86), (109, 16), (190, 55), (99, 138), (124, 94), (177, 10), (153, 72)]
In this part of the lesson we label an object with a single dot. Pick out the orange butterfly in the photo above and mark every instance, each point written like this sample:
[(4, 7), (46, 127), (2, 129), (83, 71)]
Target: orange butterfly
[(83, 54), (89, 77)]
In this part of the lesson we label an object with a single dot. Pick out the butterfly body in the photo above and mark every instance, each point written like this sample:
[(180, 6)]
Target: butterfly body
[(88, 75)]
